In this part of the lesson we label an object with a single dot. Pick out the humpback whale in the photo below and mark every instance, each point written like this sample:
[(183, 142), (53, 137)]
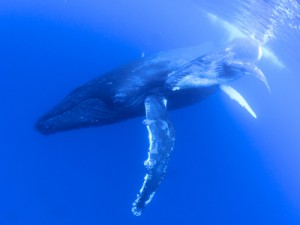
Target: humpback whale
[(150, 87)]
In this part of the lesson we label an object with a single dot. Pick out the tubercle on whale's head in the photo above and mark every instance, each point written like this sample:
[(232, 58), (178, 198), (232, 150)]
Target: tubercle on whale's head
[(90, 112), (81, 108)]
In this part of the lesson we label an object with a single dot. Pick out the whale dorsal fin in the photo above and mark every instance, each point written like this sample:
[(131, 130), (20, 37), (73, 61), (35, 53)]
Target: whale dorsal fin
[(234, 95), (161, 140)]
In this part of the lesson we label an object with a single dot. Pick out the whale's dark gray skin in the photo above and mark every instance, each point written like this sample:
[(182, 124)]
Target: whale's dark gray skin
[(120, 94), (149, 87)]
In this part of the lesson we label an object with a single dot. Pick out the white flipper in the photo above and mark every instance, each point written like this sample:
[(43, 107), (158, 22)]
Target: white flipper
[(234, 95), (161, 140)]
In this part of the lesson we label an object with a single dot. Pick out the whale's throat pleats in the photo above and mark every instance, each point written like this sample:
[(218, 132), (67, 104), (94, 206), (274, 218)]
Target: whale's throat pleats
[(161, 140)]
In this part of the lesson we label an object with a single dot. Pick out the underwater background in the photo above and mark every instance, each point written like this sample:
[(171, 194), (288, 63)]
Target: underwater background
[(226, 168)]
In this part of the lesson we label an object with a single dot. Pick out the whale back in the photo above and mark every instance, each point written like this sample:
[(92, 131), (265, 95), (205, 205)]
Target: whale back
[(120, 94)]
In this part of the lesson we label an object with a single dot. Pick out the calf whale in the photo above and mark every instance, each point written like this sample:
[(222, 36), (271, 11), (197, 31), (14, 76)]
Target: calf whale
[(151, 86)]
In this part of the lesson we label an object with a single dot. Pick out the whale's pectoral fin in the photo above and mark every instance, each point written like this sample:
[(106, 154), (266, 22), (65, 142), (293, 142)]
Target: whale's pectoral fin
[(234, 95), (161, 138)]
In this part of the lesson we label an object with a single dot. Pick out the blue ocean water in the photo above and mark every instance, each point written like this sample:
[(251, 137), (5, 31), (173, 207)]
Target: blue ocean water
[(227, 168)]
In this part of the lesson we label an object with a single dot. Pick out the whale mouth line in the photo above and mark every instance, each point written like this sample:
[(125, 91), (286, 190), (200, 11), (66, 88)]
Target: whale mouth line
[(85, 113), (53, 114)]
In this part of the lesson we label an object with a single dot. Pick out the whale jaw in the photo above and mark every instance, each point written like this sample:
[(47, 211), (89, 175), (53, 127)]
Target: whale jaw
[(66, 116)]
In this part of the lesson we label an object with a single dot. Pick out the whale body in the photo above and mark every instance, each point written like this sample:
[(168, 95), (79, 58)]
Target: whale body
[(150, 87), (120, 94)]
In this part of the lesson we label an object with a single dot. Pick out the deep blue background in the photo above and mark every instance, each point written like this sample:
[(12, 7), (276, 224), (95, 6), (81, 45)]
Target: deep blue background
[(227, 168)]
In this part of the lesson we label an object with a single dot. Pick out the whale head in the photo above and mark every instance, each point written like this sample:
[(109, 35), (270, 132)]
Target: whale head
[(81, 108)]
